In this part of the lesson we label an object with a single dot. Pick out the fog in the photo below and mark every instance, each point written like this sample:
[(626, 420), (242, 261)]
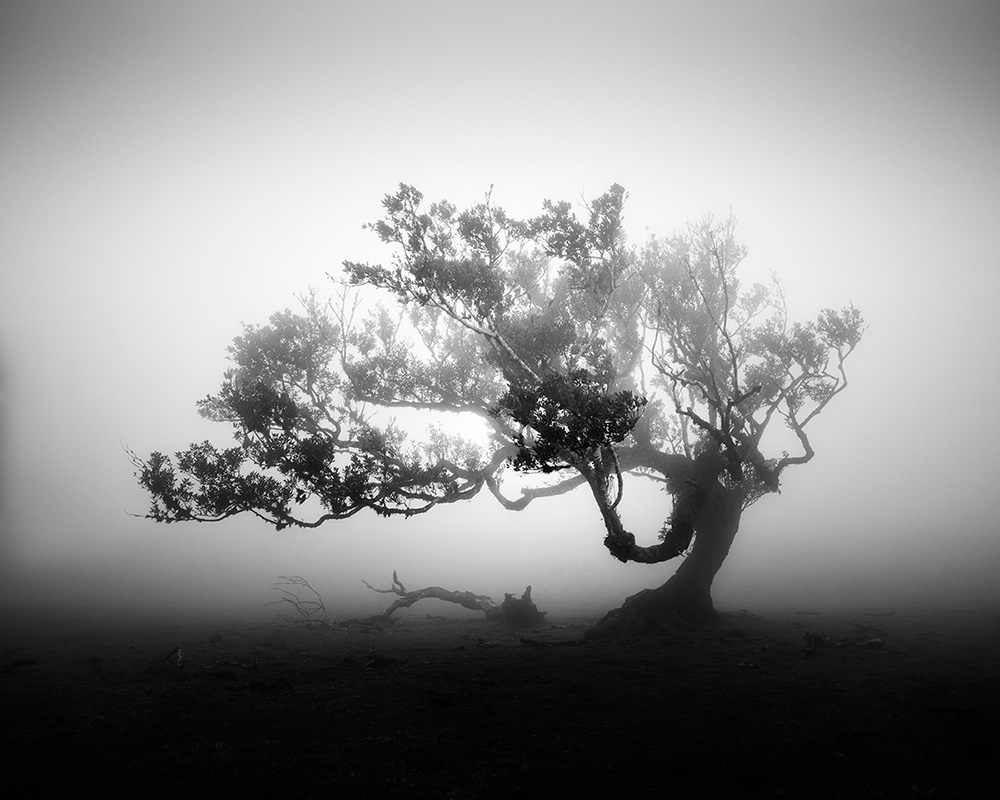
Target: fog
[(174, 169)]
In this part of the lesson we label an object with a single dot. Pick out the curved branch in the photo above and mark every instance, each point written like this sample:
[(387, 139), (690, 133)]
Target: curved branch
[(619, 541), (531, 493), (808, 452)]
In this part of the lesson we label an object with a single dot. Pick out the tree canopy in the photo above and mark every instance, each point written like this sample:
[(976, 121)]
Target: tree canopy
[(586, 356)]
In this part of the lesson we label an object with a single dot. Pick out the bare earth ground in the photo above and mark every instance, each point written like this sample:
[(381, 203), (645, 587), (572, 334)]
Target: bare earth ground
[(456, 708)]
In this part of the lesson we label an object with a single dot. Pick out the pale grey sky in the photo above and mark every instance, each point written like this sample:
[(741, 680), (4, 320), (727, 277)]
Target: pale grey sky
[(172, 169)]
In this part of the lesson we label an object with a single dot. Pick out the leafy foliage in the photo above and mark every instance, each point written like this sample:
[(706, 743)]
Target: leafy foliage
[(582, 355), (565, 417)]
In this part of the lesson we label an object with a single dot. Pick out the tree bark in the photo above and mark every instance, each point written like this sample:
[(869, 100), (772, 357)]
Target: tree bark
[(687, 595), (518, 611), (514, 610)]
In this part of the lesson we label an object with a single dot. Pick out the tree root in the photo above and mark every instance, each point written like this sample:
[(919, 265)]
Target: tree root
[(663, 608)]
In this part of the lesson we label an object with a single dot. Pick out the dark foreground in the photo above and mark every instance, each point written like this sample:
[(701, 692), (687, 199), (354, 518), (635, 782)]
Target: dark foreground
[(443, 708)]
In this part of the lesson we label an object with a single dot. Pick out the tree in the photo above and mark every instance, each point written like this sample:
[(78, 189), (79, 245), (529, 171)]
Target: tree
[(586, 357)]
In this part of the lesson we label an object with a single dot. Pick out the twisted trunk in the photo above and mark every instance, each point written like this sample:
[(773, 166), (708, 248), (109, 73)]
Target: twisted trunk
[(688, 593)]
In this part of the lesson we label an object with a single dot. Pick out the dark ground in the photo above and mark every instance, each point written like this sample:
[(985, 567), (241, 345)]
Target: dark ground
[(456, 708)]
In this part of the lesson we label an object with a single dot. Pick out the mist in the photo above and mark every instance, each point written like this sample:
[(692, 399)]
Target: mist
[(174, 170)]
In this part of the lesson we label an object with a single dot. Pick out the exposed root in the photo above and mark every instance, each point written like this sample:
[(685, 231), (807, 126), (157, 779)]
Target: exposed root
[(650, 610)]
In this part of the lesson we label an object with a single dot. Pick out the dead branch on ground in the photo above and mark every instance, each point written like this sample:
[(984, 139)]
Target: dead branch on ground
[(311, 610)]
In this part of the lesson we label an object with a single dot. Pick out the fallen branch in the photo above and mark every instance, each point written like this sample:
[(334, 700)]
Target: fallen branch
[(513, 610), (311, 610)]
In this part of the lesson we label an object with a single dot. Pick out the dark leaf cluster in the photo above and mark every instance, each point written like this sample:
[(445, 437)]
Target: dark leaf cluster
[(208, 483), (567, 417)]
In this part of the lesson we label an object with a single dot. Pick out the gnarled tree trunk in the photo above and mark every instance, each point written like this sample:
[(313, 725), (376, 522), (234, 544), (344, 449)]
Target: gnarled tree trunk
[(688, 593)]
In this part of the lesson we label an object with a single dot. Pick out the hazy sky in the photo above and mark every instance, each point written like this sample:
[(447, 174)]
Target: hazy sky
[(172, 169)]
